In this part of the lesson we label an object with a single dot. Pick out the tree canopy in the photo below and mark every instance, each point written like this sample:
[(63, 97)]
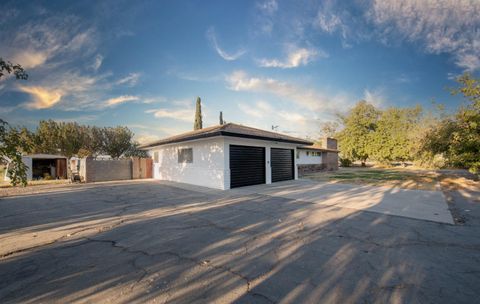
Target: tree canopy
[(409, 134)]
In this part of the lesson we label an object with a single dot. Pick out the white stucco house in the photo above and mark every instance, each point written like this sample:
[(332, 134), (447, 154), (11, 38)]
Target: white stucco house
[(226, 156), (316, 158)]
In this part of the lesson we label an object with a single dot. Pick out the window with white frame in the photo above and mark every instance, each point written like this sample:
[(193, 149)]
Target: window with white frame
[(155, 157), (185, 155)]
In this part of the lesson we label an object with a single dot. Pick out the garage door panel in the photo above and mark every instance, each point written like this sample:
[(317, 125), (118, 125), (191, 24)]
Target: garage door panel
[(282, 164), (247, 166)]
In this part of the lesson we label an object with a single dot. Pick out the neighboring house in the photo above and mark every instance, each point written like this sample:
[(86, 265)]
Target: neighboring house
[(44, 166), (318, 157), (226, 156)]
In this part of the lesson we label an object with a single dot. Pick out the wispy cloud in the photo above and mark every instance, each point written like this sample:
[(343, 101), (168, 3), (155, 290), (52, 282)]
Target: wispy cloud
[(42, 98), (296, 57), (121, 99), (375, 97), (212, 38), (440, 26), (307, 98), (263, 114), (130, 80), (97, 62), (437, 26), (177, 114), (266, 10), (30, 58)]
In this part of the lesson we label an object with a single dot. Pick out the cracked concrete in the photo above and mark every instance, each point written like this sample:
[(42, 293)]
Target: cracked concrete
[(149, 241)]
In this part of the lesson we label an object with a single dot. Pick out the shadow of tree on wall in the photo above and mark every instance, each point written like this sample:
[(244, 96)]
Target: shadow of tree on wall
[(190, 247)]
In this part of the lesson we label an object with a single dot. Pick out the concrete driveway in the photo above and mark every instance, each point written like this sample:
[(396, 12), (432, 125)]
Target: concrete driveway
[(147, 241), (417, 204)]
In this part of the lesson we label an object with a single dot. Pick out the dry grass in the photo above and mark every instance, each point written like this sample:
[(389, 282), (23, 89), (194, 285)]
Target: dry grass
[(398, 177)]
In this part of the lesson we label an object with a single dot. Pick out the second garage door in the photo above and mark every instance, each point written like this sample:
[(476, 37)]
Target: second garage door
[(247, 166), (282, 164)]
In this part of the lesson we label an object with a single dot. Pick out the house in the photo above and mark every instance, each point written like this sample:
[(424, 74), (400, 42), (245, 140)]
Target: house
[(318, 157), (43, 166), (226, 156)]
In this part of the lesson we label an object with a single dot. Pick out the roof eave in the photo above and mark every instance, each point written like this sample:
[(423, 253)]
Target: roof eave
[(225, 133)]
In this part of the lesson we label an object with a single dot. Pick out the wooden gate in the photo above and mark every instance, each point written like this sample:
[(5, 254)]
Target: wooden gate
[(141, 167)]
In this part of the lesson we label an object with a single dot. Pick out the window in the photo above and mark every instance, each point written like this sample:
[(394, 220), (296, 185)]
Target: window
[(298, 154), (185, 155), (155, 157)]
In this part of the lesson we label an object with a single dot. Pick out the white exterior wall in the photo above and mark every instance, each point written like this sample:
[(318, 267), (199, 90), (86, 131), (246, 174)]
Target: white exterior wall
[(303, 159), (258, 143), (28, 162), (207, 168), (211, 161)]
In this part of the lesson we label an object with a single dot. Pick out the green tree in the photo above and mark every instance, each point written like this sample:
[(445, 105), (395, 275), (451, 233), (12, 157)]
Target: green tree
[(358, 125), (11, 144), (329, 129), (6, 67), (48, 136), (134, 151), (93, 143), (393, 138), (117, 141), (457, 137), (198, 124)]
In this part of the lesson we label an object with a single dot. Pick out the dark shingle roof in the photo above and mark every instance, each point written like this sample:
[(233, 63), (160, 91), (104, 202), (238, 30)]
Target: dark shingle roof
[(229, 129)]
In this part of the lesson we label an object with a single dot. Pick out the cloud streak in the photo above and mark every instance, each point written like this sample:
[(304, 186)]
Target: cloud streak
[(121, 99), (212, 38), (304, 97), (42, 98), (295, 58), (129, 80)]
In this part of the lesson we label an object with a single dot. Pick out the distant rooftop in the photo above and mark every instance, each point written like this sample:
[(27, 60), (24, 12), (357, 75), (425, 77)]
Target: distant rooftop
[(229, 129)]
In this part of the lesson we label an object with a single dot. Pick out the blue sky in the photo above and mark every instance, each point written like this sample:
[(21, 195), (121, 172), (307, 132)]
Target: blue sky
[(288, 63)]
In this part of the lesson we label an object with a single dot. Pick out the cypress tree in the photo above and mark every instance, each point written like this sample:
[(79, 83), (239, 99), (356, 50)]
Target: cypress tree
[(198, 115)]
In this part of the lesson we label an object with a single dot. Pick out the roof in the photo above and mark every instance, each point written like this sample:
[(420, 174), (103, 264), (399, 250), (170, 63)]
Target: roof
[(45, 156), (317, 148), (229, 129)]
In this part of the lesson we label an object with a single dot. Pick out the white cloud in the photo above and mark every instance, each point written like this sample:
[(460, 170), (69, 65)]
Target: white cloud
[(130, 80), (375, 97), (263, 115), (304, 97), (146, 138), (42, 98), (211, 36), (121, 99), (260, 110), (30, 59), (295, 58), (441, 26), (97, 62), (177, 114), (268, 6)]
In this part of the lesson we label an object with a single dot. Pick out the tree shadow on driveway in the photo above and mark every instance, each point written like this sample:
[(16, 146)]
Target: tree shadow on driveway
[(251, 248)]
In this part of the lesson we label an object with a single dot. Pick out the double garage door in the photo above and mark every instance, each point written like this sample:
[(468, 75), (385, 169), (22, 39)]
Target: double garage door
[(247, 165)]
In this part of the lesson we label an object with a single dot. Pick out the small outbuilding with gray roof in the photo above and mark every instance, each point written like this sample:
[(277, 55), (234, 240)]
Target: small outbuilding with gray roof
[(226, 156)]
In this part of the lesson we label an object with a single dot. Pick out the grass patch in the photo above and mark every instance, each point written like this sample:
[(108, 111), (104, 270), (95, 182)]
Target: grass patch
[(404, 178)]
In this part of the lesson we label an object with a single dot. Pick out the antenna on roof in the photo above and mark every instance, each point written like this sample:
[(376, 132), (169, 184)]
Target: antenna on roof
[(274, 128)]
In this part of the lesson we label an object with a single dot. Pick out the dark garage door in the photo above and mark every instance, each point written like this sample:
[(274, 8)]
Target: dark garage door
[(282, 164), (247, 166)]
